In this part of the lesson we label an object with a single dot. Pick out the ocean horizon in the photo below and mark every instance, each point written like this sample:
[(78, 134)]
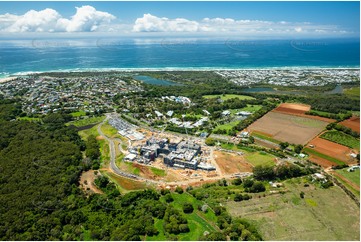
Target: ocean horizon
[(21, 57)]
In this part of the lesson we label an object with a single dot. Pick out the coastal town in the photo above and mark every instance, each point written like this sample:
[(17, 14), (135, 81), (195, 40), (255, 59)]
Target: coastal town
[(290, 77)]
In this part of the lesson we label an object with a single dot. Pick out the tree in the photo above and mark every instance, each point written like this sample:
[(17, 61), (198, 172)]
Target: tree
[(168, 198), (298, 148), (257, 187), (263, 172), (238, 197), (210, 141), (179, 190), (188, 208), (284, 145), (248, 183), (237, 181), (302, 194)]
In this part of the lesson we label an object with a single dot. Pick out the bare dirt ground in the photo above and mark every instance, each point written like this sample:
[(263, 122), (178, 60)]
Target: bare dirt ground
[(288, 128), (293, 107), (230, 163), (87, 182), (322, 162), (352, 123), (329, 148), (298, 109), (355, 186)]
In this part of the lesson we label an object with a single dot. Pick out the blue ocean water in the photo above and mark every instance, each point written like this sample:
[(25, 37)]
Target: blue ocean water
[(39, 55)]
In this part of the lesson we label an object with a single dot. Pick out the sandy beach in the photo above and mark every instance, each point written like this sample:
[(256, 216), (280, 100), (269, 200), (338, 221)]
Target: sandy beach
[(7, 79)]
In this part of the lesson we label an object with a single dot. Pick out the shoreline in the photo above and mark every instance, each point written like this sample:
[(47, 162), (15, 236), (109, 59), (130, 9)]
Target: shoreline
[(12, 76)]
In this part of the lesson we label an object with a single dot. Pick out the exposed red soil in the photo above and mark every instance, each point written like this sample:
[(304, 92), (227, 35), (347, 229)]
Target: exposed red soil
[(322, 162), (332, 149), (352, 123), (298, 109)]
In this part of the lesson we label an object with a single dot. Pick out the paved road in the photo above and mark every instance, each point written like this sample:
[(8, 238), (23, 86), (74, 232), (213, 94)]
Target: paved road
[(116, 170), (113, 166)]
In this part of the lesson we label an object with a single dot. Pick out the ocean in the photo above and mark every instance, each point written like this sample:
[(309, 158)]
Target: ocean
[(42, 55)]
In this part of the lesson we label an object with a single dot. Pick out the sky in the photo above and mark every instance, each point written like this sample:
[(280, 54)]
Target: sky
[(248, 19)]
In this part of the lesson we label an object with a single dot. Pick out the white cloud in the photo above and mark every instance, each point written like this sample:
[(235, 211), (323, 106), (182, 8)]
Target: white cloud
[(86, 19), (150, 23)]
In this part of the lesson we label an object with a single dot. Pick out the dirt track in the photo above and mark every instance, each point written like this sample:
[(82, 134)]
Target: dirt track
[(231, 163)]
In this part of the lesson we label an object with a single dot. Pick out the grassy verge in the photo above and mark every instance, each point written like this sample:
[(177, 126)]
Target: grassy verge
[(125, 184), (265, 137), (314, 152), (158, 172), (226, 126), (342, 139), (86, 121), (229, 96), (29, 119), (78, 114), (351, 176)]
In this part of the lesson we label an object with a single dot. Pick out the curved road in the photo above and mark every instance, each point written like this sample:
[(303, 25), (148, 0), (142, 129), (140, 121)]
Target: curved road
[(117, 171), (113, 166)]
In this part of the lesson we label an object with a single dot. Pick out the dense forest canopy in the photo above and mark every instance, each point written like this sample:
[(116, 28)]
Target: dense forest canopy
[(40, 166)]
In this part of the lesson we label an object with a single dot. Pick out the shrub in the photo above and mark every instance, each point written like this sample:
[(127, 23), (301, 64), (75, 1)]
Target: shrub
[(179, 190), (188, 208), (257, 187)]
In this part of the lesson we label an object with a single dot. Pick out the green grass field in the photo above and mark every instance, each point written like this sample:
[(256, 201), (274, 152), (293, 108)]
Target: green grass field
[(259, 158), (158, 172), (341, 138), (324, 214), (351, 176), (86, 121), (226, 126), (84, 134), (314, 152), (78, 114), (125, 184), (251, 108), (353, 92), (29, 119), (109, 130), (229, 96), (265, 137), (312, 123)]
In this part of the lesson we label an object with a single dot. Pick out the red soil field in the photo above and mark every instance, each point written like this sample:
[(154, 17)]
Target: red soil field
[(352, 123), (299, 109), (329, 148), (296, 108), (322, 162)]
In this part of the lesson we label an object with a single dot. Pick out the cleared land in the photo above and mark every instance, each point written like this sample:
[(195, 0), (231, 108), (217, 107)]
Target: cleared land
[(319, 216), (124, 184), (229, 96), (342, 139), (353, 92), (288, 128), (296, 108), (353, 177), (230, 163), (86, 121), (352, 123), (331, 149), (299, 109)]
